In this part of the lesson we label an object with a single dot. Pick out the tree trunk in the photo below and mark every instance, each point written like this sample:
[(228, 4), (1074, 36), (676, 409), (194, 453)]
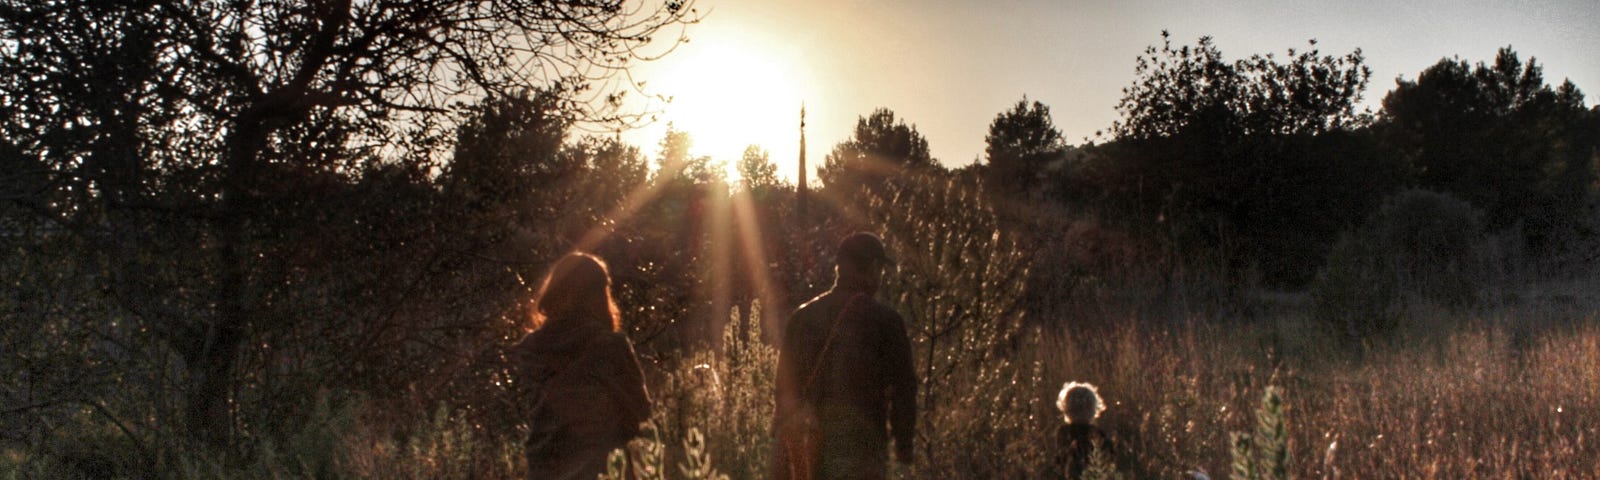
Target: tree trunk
[(210, 391)]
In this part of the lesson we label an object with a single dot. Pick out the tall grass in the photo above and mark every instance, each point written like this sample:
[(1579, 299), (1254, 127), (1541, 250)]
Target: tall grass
[(1505, 394), (1462, 402), (729, 395), (1509, 389)]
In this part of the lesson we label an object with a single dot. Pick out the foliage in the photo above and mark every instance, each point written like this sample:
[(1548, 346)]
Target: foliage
[(1497, 136), (756, 170), (1356, 293), (1254, 161), (1180, 89), (676, 164), (509, 149), (1419, 244), (1432, 242), (959, 281), (1102, 466), (1022, 143), (730, 394), (880, 149), (648, 459), (1264, 453)]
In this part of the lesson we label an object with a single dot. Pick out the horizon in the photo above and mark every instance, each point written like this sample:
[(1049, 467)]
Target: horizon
[(748, 66)]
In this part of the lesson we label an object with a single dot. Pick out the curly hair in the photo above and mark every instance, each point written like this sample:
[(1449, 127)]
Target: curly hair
[(1080, 403)]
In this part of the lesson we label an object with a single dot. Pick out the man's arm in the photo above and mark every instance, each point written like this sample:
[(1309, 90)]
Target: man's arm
[(902, 389), (787, 391), (788, 398)]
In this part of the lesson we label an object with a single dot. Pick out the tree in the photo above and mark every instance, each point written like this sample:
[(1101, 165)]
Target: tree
[(1210, 152), (1499, 137), (677, 164), (756, 170), (508, 147), (1180, 89), (880, 149), (208, 110), (615, 170), (1022, 142)]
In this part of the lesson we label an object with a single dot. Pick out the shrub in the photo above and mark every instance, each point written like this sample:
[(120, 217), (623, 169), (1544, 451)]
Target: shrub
[(646, 457), (1355, 294), (1263, 454), (959, 282), (730, 395), (1431, 242), (726, 393), (1419, 245), (337, 441)]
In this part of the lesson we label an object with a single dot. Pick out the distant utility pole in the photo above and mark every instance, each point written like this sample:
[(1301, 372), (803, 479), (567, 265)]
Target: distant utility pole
[(801, 192)]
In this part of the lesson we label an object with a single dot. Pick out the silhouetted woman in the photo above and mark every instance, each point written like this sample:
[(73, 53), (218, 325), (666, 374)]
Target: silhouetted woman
[(586, 390)]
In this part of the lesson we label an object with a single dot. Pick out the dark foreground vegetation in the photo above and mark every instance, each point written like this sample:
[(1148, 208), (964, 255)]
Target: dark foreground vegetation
[(269, 243)]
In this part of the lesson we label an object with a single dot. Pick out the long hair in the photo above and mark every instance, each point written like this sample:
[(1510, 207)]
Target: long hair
[(577, 289)]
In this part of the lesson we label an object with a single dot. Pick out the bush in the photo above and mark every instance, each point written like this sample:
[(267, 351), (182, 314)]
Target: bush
[(1355, 294), (1264, 453), (728, 394), (1431, 242), (959, 281), (1419, 245)]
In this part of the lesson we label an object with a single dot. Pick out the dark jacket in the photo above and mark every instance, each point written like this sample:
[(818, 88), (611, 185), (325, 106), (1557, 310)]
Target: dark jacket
[(1075, 447), (585, 396), (846, 383)]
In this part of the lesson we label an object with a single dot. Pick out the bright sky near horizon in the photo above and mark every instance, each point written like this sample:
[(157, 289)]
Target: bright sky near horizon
[(949, 66)]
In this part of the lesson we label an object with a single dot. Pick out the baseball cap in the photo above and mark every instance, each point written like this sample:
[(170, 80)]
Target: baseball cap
[(863, 246)]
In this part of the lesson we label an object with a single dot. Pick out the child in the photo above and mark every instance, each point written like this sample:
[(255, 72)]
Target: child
[(1078, 438)]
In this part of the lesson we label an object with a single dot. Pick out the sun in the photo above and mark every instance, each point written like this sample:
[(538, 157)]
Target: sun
[(729, 94)]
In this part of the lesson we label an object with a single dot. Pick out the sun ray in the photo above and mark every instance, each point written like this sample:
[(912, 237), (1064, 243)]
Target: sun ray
[(720, 251), (844, 207), (756, 262), (624, 211), (731, 92)]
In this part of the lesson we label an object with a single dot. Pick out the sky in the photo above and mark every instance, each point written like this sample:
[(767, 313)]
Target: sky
[(950, 66)]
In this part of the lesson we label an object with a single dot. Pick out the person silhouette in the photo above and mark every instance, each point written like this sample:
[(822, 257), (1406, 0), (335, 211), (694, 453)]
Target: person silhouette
[(1078, 439), (845, 378), (585, 390)]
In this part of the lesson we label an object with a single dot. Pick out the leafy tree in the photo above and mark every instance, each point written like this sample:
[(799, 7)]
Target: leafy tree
[(508, 148), (676, 163), (223, 115), (1186, 88), (1499, 137), (881, 149), (756, 170), (1021, 143), (1208, 151), (614, 170)]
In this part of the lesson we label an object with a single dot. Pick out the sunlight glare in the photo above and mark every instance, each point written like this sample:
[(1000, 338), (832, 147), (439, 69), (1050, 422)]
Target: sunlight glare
[(728, 95)]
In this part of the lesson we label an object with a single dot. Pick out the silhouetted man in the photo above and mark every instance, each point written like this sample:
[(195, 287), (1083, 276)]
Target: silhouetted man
[(845, 379)]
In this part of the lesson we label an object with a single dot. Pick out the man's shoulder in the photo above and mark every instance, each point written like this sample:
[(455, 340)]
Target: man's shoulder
[(814, 303), (884, 313), (808, 319), (813, 308), (879, 308), (832, 303)]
